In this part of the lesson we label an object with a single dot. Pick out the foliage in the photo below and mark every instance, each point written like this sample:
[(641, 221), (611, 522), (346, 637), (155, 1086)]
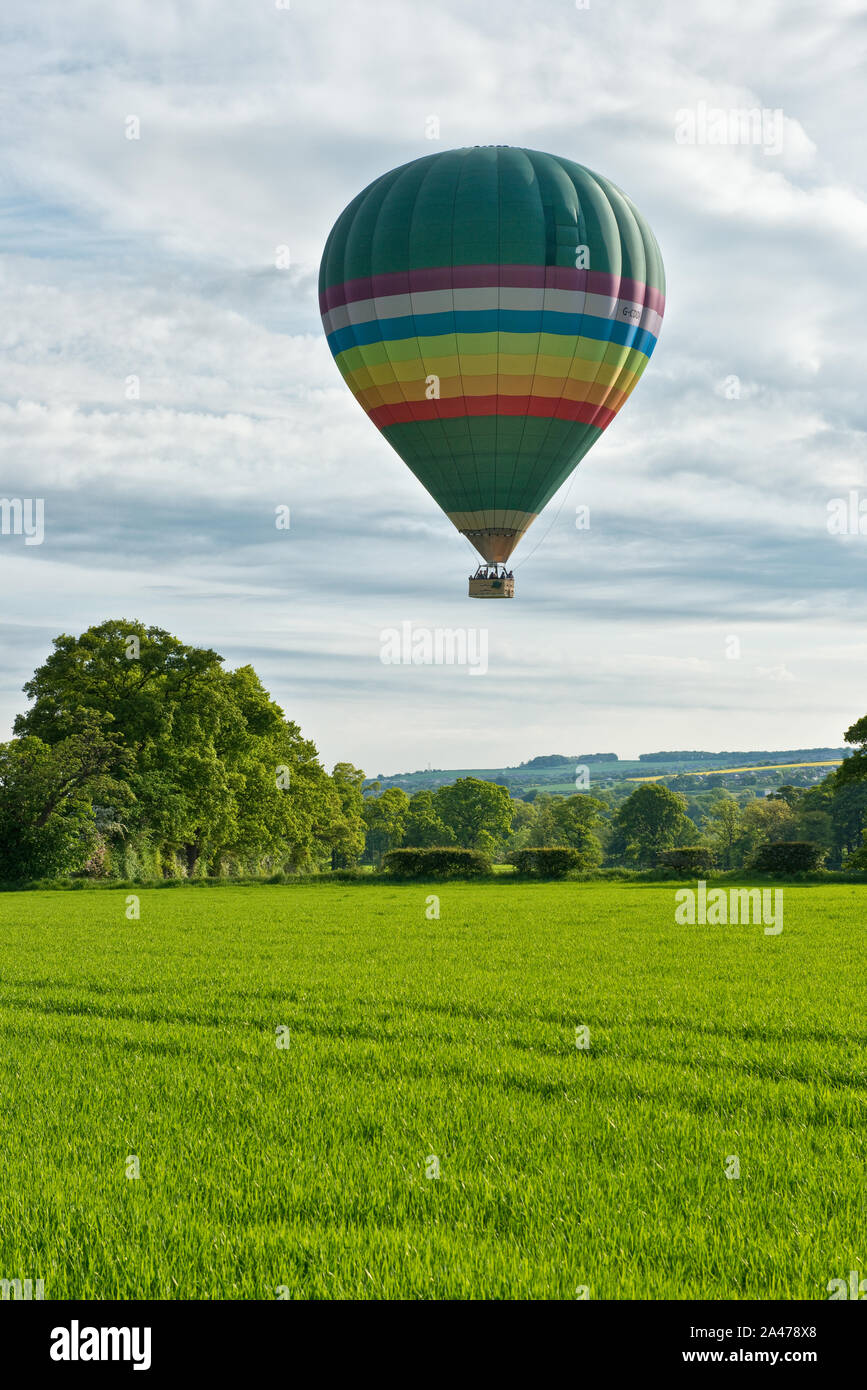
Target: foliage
[(765, 821), (789, 857), (547, 861), (213, 772), (141, 757), (569, 821), (688, 860), (348, 833), (47, 820), (653, 818), (479, 814), (385, 819), (723, 825), (423, 825), (858, 860), (854, 769), (446, 862)]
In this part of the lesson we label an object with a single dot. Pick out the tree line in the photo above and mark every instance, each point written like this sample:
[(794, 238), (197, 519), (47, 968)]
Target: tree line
[(141, 757)]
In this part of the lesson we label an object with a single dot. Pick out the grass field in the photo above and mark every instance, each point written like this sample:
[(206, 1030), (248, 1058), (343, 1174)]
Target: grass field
[(304, 1167)]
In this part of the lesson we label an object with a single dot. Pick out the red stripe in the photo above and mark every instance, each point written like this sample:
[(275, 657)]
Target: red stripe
[(456, 407), (459, 277)]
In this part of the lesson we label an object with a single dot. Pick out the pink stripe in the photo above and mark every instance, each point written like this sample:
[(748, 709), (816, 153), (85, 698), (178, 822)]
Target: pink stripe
[(557, 277)]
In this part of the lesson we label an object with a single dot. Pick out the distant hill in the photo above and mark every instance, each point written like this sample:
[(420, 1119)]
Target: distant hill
[(558, 759), (556, 773), (787, 755)]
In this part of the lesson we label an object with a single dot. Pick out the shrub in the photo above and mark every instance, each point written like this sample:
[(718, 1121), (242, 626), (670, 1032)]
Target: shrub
[(553, 862), (789, 857), (445, 862), (688, 860)]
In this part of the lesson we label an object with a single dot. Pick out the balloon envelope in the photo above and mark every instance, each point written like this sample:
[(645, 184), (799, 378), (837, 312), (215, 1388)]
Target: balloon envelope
[(491, 309)]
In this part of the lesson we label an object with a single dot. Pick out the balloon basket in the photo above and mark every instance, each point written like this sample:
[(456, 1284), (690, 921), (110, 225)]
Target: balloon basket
[(492, 581)]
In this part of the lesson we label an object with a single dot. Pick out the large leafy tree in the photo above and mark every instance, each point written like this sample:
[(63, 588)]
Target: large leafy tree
[(214, 768), (522, 830), (764, 821), (848, 811), (854, 769), (424, 827), (568, 821), (478, 813), (843, 797), (48, 824), (385, 819), (349, 831), (651, 819)]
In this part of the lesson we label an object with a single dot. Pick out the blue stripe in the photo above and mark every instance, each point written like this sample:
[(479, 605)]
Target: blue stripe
[(491, 321)]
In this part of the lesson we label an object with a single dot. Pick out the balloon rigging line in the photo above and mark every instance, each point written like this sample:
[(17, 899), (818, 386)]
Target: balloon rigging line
[(542, 539)]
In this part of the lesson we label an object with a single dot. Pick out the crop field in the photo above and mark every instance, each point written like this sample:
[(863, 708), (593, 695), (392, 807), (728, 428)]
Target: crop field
[(324, 1092), (753, 767)]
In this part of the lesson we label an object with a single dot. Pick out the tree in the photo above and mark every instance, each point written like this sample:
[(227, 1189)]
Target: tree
[(287, 808), (349, 832), (522, 829), (858, 860), (843, 798), (791, 796), (214, 767), (723, 826), (48, 825), (136, 675), (765, 821), (569, 822), (653, 818), (424, 828), (478, 813), (385, 819), (854, 769), (848, 812)]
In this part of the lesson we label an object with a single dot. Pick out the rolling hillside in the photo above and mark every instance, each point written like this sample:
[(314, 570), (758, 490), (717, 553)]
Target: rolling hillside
[(557, 774)]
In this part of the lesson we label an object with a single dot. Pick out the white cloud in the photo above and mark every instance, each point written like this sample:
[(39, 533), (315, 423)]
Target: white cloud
[(155, 258)]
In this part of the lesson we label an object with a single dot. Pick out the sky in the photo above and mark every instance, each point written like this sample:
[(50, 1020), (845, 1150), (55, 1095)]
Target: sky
[(166, 386)]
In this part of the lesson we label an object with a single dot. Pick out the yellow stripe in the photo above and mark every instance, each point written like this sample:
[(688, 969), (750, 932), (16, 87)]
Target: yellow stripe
[(515, 376), (495, 345), (392, 393)]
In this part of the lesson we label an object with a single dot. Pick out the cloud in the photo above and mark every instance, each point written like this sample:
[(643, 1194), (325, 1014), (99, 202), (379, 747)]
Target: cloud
[(166, 385)]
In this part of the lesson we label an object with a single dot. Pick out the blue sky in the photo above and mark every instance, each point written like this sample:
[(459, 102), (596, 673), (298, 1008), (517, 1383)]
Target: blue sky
[(156, 258)]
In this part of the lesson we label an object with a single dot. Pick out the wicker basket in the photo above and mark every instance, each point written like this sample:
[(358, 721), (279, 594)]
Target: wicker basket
[(500, 587)]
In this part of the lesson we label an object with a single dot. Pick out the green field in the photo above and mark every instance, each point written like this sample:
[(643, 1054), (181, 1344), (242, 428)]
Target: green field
[(304, 1167)]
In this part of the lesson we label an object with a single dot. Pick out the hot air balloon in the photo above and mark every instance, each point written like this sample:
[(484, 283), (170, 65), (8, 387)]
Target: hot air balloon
[(491, 309)]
